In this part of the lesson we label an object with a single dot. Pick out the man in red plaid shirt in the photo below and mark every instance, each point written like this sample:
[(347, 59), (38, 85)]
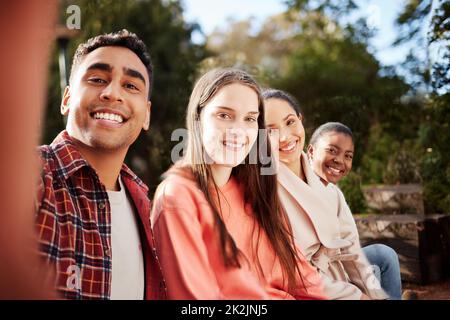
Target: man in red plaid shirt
[(92, 210)]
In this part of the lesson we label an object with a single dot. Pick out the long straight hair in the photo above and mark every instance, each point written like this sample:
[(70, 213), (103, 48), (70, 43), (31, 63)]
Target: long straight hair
[(260, 190)]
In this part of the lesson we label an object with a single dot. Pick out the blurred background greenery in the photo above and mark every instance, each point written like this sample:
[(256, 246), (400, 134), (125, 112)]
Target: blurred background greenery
[(400, 118)]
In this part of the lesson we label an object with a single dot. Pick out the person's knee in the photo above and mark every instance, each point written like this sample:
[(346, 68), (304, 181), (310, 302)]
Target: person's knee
[(387, 253)]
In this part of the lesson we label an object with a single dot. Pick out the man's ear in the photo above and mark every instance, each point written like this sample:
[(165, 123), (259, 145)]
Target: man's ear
[(146, 124), (65, 101)]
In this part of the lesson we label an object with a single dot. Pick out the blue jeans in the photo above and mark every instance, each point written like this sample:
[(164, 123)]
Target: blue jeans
[(384, 261)]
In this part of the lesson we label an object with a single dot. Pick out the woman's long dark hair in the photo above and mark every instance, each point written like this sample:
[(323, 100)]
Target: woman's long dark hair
[(260, 190)]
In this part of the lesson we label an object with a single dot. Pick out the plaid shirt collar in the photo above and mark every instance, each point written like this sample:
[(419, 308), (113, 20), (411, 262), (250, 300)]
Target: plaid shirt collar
[(70, 159)]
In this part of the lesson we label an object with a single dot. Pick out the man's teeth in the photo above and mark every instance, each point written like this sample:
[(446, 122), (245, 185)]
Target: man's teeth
[(289, 147), (108, 116), (233, 145)]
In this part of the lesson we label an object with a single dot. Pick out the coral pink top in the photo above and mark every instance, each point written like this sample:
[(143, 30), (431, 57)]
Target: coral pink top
[(189, 248)]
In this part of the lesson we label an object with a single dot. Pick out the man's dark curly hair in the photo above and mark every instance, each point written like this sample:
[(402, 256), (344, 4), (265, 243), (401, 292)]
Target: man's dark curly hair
[(122, 38)]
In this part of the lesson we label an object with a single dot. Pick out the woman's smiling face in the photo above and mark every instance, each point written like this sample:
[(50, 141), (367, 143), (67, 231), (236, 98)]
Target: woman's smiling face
[(284, 124), (332, 156), (229, 123)]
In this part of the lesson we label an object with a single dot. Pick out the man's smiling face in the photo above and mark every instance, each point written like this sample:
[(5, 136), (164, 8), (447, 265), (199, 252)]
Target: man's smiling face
[(107, 100)]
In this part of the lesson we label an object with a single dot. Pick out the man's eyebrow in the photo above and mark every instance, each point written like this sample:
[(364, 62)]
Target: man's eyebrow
[(134, 73), (100, 66), (108, 68)]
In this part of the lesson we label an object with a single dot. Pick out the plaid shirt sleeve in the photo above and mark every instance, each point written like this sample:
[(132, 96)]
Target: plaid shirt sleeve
[(46, 222)]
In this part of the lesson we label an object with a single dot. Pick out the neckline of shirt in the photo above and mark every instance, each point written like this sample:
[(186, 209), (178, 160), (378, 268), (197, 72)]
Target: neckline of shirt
[(116, 197)]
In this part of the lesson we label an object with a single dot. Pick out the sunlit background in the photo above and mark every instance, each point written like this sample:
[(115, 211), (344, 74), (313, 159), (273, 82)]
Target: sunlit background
[(380, 67)]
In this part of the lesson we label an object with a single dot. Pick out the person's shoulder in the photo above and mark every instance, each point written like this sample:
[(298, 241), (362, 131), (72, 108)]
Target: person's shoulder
[(132, 179), (44, 151), (179, 193), (178, 183), (44, 200), (48, 153), (61, 158), (180, 189), (46, 158), (50, 159), (343, 205), (337, 193), (338, 190)]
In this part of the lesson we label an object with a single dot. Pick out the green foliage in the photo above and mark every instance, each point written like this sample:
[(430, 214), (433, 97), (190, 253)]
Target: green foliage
[(332, 79), (379, 147), (433, 136), (410, 20), (336, 79), (403, 165), (351, 187), (435, 163), (334, 8), (439, 36)]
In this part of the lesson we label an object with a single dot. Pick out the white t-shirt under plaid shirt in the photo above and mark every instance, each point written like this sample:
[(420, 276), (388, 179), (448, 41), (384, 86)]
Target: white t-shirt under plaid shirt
[(127, 259)]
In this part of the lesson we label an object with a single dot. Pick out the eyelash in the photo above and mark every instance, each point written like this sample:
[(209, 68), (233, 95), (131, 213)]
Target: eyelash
[(97, 80), (133, 86), (223, 116)]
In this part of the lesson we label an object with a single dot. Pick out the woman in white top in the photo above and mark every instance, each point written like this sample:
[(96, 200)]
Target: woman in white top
[(330, 153), (321, 221)]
